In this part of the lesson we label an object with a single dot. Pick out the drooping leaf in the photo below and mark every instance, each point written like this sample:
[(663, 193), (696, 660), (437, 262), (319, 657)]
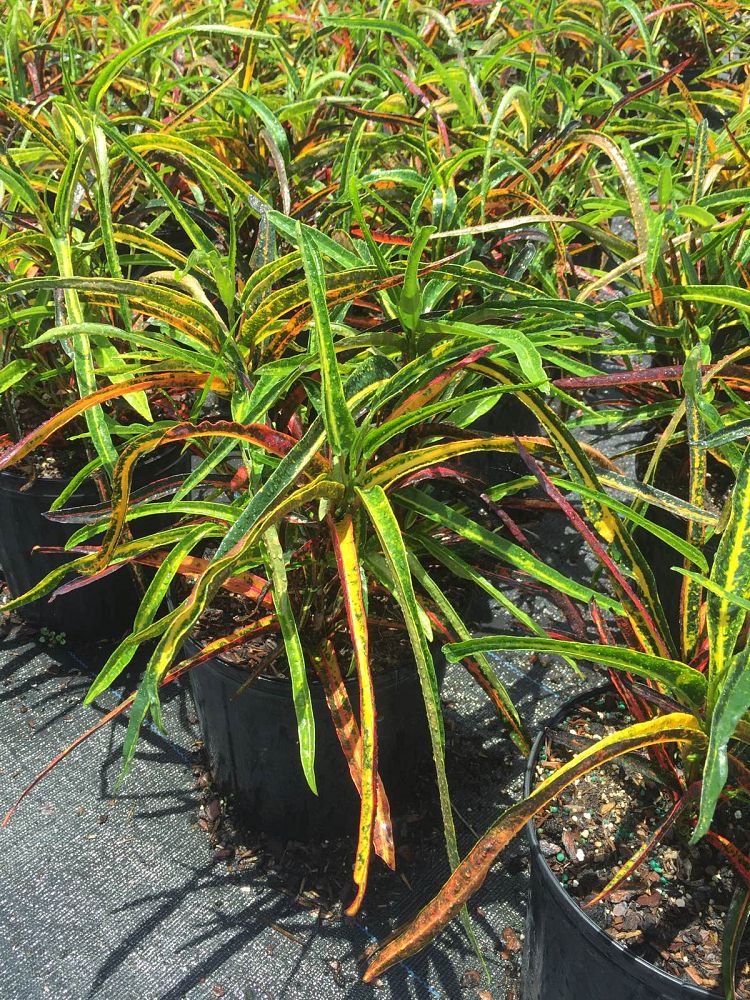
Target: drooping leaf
[(479, 665), (684, 681), (185, 615), (147, 610), (157, 380), (350, 578), (295, 656), (392, 545), (349, 737), (471, 873), (674, 541), (508, 552)]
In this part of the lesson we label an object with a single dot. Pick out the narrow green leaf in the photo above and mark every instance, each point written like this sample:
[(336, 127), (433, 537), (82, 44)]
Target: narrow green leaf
[(700, 160), (72, 485), (464, 571), (13, 372), (410, 300), (139, 400), (658, 498), (83, 361), (392, 545), (731, 704), (691, 552), (250, 48), (395, 426), (113, 67), (500, 695), (295, 657), (714, 588), (681, 679), (339, 424), (732, 432), (138, 713), (325, 245), (528, 357), (147, 609), (289, 469), (501, 548), (691, 597), (730, 572)]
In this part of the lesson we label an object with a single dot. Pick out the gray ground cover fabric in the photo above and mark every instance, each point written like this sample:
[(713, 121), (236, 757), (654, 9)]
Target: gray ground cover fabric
[(116, 894)]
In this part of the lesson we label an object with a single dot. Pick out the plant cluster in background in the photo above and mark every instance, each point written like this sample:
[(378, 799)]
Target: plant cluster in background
[(319, 248)]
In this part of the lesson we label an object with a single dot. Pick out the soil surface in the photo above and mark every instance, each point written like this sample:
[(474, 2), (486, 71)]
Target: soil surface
[(58, 458), (672, 910), (388, 640), (63, 454)]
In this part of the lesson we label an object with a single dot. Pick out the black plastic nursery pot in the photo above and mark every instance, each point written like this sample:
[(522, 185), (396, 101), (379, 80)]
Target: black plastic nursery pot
[(102, 610), (566, 955), (253, 751)]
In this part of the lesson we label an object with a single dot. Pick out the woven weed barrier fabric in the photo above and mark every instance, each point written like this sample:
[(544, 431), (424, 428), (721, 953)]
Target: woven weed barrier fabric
[(118, 894)]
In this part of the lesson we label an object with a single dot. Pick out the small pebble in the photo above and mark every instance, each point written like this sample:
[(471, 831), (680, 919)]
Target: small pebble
[(548, 848), (580, 855)]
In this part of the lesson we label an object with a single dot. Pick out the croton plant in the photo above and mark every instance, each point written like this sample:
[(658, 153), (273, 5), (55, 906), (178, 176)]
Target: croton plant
[(343, 435)]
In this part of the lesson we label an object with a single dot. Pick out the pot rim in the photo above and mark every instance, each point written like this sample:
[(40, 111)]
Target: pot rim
[(591, 930)]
